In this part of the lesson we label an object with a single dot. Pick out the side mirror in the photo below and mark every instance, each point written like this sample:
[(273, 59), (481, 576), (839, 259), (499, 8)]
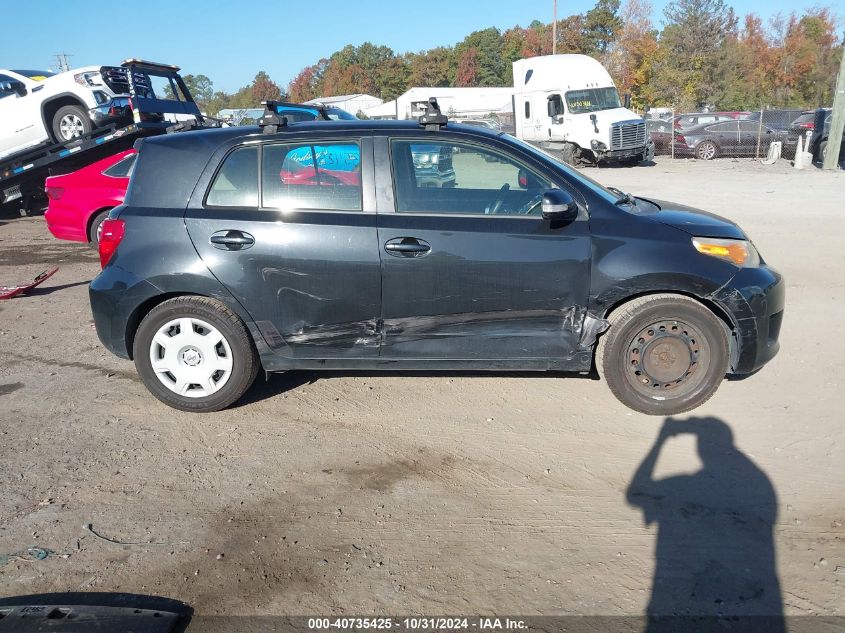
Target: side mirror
[(627, 100), (594, 120), (554, 107), (13, 86), (559, 206)]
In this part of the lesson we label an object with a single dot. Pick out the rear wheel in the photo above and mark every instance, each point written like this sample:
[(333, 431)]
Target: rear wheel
[(70, 122), (663, 354), (195, 354), (96, 228), (706, 150)]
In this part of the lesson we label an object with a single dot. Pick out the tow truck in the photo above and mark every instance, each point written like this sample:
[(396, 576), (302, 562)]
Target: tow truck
[(140, 112)]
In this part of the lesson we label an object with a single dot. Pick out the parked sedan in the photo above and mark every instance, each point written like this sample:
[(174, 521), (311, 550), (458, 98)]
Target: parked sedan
[(81, 200), (216, 268), (726, 138), (661, 135)]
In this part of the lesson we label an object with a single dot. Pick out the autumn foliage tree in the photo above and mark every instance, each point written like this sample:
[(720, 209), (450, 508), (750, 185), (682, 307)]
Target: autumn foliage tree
[(703, 54)]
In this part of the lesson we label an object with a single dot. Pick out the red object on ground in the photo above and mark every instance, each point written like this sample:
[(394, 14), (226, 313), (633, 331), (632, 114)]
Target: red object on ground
[(76, 199), (7, 292)]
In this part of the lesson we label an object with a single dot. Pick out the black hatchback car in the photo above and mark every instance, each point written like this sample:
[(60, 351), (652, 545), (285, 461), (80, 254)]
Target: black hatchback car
[(324, 246)]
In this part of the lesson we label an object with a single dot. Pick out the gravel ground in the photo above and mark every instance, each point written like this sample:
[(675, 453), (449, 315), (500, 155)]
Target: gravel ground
[(432, 493)]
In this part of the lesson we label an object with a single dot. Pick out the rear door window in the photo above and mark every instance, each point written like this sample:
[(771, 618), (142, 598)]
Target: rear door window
[(319, 176), (236, 182)]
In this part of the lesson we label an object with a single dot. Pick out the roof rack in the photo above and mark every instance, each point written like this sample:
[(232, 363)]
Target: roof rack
[(271, 121), (432, 119)]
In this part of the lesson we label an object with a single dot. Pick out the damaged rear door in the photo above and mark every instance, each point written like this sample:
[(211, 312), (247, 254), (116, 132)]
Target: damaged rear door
[(289, 227), (470, 269)]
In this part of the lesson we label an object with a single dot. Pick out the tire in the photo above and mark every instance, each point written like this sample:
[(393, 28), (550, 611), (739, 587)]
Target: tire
[(706, 150), (198, 375), (70, 122), (94, 229), (822, 151), (663, 354), (567, 154)]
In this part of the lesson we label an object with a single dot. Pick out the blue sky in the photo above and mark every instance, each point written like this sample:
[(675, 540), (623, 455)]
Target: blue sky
[(231, 41)]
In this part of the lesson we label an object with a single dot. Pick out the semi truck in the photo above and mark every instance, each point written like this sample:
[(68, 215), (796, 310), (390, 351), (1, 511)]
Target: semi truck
[(568, 105)]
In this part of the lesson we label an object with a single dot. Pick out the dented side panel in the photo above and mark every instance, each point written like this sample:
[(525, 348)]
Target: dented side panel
[(491, 288)]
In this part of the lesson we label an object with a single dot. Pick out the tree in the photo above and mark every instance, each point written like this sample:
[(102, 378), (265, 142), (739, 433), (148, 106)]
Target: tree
[(430, 68), (489, 66), (692, 41), (467, 71), (200, 87), (630, 59), (601, 24), (263, 88)]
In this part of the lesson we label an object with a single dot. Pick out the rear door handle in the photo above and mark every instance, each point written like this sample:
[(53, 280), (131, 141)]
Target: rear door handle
[(231, 240), (407, 247)]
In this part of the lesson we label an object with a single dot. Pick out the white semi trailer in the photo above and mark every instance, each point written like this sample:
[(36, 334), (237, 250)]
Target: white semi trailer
[(569, 106)]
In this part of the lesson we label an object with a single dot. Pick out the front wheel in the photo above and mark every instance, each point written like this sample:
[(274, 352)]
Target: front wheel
[(663, 354), (70, 122), (195, 354)]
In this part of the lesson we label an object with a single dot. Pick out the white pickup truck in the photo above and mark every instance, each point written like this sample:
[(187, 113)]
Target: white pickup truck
[(38, 107)]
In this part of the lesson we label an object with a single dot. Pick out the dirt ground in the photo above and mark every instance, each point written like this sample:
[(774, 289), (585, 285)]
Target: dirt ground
[(396, 494)]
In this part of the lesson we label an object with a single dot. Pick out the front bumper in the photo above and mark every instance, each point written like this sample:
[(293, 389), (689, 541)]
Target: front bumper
[(624, 154), (754, 299)]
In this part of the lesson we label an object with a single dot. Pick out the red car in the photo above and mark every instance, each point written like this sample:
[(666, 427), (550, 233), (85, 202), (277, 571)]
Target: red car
[(81, 200)]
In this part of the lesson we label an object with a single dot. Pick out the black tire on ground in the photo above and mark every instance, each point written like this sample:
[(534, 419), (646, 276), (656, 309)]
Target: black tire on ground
[(245, 362), (706, 150), (663, 354), (93, 230), (70, 122)]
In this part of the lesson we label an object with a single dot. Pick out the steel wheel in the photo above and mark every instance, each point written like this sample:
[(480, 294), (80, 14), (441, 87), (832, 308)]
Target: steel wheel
[(706, 150), (663, 354), (665, 357), (191, 357)]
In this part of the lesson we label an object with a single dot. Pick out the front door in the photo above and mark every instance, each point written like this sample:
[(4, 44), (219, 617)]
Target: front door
[(471, 270), (294, 241), (20, 120)]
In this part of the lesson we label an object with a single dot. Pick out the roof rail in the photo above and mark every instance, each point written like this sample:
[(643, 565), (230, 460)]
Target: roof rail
[(271, 121), (432, 119)]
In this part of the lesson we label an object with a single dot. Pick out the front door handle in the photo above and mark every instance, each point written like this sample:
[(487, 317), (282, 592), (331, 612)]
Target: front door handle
[(231, 240), (407, 247)]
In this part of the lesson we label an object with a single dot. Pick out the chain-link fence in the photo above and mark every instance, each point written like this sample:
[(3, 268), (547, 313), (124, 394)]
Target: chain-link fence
[(767, 133)]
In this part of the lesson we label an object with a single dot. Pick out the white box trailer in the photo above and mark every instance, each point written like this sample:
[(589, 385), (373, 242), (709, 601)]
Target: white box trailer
[(568, 104)]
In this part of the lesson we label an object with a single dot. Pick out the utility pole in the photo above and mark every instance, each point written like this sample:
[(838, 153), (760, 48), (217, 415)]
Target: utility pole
[(554, 29), (61, 60), (837, 120)]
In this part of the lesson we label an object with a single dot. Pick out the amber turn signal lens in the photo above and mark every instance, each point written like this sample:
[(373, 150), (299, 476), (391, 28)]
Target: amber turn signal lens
[(739, 252)]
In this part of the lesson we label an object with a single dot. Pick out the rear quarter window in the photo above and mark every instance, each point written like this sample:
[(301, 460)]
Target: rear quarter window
[(236, 182)]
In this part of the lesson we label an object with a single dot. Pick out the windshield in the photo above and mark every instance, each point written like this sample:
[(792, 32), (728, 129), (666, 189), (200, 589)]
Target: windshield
[(588, 182), (35, 75), (592, 100)]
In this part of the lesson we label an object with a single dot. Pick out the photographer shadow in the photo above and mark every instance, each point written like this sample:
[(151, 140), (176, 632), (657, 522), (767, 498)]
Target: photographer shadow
[(715, 555)]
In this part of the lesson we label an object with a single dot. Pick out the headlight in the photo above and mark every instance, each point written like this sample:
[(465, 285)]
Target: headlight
[(739, 252), (598, 145), (88, 79)]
